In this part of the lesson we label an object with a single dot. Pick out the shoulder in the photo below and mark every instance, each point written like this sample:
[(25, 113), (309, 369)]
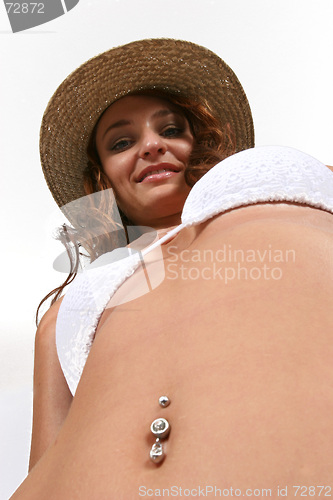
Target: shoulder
[(46, 327), (331, 168)]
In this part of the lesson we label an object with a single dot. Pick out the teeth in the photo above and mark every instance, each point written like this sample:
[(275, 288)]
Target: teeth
[(155, 172)]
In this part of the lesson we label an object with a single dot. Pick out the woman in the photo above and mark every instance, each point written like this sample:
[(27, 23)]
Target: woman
[(232, 349)]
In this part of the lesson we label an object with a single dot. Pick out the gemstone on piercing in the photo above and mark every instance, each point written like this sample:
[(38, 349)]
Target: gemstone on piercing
[(164, 401), (160, 428), (157, 452)]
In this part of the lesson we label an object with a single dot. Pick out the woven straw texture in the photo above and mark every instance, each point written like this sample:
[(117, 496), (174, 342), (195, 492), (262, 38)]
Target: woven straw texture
[(172, 65)]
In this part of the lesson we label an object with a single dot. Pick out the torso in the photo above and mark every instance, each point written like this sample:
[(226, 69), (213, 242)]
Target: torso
[(247, 365)]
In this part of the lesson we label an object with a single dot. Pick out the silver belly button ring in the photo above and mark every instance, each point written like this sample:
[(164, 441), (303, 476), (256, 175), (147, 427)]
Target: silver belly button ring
[(161, 430)]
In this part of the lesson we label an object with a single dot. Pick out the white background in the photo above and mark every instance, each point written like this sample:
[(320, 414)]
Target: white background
[(281, 51)]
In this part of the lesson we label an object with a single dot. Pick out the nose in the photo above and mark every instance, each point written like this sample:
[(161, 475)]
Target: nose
[(152, 144)]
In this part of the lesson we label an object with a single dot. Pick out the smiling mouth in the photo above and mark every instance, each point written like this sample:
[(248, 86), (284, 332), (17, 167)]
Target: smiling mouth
[(157, 172)]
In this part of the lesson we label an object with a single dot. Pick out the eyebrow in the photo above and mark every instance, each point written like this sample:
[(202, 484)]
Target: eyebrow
[(120, 123), (158, 114)]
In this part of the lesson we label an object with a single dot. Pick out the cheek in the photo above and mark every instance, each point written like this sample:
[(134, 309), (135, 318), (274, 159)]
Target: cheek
[(187, 149), (183, 149), (115, 169)]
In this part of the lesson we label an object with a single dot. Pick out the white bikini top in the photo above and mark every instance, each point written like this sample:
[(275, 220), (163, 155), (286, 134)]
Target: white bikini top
[(264, 174)]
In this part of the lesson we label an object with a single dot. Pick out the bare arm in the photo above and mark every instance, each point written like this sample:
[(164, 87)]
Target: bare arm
[(52, 397)]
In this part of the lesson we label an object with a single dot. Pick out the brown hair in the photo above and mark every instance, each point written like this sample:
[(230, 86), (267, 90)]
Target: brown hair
[(212, 143)]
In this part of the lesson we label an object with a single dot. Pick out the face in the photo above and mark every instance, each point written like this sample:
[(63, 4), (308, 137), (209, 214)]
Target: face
[(144, 144)]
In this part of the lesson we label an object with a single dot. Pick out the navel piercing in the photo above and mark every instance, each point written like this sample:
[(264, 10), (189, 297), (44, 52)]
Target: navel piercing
[(157, 452), (164, 401), (161, 430)]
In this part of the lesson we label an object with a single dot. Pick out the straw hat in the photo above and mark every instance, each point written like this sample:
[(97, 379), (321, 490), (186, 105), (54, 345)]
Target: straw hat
[(175, 66)]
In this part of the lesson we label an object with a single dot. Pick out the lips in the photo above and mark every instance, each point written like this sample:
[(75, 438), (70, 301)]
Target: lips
[(160, 170)]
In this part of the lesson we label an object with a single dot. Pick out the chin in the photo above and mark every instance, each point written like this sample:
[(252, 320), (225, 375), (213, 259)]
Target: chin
[(173, 200)]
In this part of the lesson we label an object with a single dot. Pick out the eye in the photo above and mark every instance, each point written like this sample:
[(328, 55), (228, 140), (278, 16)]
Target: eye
[(172, 131), (121, 145)]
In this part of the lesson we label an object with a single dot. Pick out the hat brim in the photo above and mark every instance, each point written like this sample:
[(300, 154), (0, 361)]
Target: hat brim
[(174, 66)]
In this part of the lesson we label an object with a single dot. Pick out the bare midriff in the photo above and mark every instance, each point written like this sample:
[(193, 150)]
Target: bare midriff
[(240, 339)]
